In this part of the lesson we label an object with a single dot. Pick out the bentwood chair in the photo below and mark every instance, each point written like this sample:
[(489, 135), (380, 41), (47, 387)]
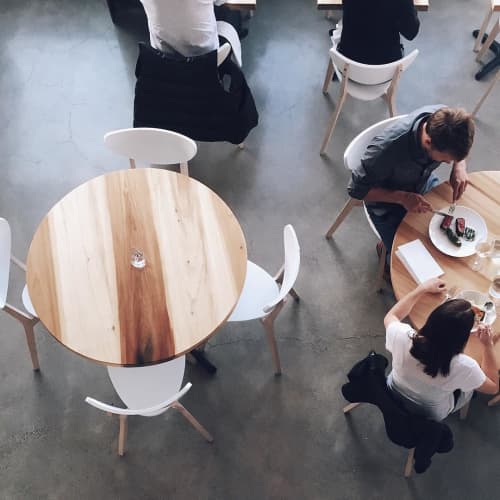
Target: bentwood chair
[(362, 81), (262, 297), (148, 391), (27, 319), (352, 158), (153, 146)]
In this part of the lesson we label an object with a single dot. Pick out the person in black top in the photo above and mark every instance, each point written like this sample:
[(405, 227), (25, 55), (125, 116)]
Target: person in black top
[(371, 29)]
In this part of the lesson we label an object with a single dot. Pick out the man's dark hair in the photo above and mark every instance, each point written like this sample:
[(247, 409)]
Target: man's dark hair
[(443, 336), (451, 131)]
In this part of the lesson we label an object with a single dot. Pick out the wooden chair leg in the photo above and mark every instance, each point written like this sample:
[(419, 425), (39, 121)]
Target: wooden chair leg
[(30, 339), (391, 91), (352, 202), (381, 269), (490, 88), (464, 411), (482, 30), (189, 417), (122, 436), (279, 279), (328, 76), (486, 45), (409, 462), (132, 162), (333, 120), (184, 168), (350, 407), (268, 323), (494, 400)]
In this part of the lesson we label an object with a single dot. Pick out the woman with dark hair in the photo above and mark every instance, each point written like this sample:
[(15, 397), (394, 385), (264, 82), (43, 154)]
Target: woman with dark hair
[(430, 374)]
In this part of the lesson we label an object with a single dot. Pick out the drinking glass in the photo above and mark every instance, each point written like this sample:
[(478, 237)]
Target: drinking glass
[(137, 258), (482, 251), (494, 290)]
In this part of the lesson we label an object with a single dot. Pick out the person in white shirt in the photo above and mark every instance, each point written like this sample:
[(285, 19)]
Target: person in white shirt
[(428, 366), (186, 27)]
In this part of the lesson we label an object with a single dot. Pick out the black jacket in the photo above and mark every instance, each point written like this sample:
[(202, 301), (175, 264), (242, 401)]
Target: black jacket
[(367, 384), (187, 95), (371, 28)]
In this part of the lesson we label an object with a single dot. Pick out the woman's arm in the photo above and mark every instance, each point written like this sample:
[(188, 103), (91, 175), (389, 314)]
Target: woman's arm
[(488, 364), (402, 308)]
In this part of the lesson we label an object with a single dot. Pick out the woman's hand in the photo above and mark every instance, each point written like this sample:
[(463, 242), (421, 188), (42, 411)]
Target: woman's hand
[(434, 285), (484, 334)]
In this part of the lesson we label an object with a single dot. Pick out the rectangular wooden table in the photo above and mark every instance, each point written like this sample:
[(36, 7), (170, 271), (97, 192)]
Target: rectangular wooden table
[(422, 5)]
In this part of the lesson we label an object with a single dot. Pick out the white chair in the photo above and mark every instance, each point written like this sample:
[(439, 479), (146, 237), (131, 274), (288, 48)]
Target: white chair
[(352, 158), (27, 319), (148, 391), (153, 146), (263, 299), (363, 81)]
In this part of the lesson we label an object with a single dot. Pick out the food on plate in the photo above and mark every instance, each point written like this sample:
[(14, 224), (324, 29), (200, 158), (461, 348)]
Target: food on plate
[(469, 234), (479, 313), (460, 226), (453, 237), (446, 223)]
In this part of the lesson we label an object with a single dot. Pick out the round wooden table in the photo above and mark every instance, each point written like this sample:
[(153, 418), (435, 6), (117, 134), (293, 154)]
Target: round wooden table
[(483, 196), (89, 296)]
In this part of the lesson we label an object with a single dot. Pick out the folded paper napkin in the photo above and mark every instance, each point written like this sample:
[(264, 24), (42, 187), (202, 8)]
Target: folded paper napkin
[(418, 261)]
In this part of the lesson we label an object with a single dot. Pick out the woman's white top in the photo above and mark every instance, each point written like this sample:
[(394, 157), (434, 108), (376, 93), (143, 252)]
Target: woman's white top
[(185, 26), (433, 394)]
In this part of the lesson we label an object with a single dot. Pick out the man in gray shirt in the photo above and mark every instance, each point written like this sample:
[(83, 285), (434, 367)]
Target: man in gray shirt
[(396, 168)]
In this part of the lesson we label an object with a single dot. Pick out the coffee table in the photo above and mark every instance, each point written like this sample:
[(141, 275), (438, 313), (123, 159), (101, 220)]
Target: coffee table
[(95, 302)]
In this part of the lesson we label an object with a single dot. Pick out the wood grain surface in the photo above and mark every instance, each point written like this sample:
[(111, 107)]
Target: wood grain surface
[(483, 196), (90, 297), (421, 5)]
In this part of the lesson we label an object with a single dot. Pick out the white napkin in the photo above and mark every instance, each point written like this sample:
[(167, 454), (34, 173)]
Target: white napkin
[(418, 261)]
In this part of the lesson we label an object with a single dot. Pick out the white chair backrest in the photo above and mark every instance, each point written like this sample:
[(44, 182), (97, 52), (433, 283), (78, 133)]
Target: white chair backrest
[(370, 74), (5, 248), (222, 53), (357, 147), (291, 266), (148, 386), (151, 145)]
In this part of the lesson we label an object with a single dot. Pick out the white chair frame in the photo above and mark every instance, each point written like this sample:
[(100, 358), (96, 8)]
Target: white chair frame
[(27, 319), (153, 146), (285, 277), (352, 156), (362, 81), (157, 409)]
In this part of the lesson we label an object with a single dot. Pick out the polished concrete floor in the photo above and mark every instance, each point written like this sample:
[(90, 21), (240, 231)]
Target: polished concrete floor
[(67, 78)]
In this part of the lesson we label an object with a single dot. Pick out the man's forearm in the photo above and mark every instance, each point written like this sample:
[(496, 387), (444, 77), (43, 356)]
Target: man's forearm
[(385, 195)]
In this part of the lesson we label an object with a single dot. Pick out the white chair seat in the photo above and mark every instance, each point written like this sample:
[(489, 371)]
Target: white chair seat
[(259, 290), (27, 301), (367, 92), (147, 386)]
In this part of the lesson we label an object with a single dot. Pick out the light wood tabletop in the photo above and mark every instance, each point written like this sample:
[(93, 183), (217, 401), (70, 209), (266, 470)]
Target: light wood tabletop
[(89, 296), (337, 4), (483, 196)]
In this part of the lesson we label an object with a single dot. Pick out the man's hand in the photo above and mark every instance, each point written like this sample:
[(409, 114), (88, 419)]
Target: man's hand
[(458, 179), (414, 202)]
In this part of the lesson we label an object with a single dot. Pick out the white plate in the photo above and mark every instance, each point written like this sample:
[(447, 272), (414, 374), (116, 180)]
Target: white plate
[(441, 241), (478, 299)]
